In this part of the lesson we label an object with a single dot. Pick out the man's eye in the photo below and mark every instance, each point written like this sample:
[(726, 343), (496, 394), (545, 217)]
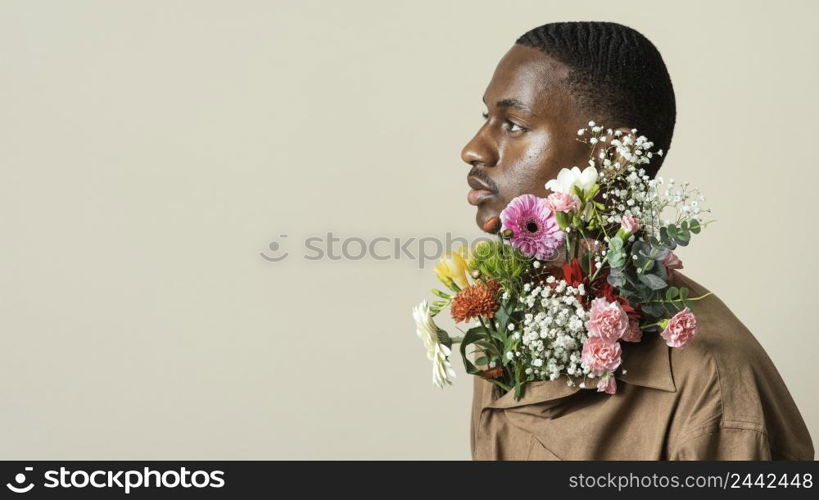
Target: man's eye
[(513, 124)]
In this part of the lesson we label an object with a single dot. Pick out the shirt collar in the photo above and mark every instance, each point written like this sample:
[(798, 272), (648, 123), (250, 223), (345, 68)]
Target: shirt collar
[(647, 364)]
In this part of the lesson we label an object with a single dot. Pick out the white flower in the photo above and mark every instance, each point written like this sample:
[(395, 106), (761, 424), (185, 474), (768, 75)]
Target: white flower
[(427, 330), (568, 178)]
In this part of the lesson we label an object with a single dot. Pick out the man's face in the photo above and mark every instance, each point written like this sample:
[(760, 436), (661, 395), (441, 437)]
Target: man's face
[(529, 133)]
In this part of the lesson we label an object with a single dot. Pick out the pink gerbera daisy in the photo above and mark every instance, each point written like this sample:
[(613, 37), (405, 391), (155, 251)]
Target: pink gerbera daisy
[(534, 229)]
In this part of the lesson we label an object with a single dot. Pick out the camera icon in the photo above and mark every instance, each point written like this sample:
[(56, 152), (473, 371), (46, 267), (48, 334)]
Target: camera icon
[(20, 478)]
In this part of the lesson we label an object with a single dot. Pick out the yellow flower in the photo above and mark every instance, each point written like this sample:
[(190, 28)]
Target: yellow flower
[(454, 266)]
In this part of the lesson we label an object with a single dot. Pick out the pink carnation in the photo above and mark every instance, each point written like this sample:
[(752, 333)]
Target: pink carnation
[(607, 385), (630, 223), (601, 356), (633, 333), (561, 202), (671, 262), (680, 329), (607, 320)]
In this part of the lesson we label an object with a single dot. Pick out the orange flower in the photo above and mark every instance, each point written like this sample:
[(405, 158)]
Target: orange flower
[(479, 299), (492, 373)]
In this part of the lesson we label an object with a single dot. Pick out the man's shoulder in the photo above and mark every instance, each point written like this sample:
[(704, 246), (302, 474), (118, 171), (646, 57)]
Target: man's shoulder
[(726, 370), (721, 338)]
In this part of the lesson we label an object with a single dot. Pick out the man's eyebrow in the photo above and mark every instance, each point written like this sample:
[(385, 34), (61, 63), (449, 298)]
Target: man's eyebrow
[(512, 103)]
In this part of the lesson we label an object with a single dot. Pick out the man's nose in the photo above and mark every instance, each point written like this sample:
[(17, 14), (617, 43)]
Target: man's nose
[(479, 151)]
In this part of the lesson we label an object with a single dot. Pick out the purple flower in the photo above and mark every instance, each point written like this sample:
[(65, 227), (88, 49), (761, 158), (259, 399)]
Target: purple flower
[(534, 229)]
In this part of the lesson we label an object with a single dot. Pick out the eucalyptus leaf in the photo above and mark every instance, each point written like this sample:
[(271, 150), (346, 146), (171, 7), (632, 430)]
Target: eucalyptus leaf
[(652, 309), (616, 280), (652, 281), (641, 248), (616, 259)]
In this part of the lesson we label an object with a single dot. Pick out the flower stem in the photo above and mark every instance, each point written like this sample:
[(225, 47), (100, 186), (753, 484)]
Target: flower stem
[(679, 300)]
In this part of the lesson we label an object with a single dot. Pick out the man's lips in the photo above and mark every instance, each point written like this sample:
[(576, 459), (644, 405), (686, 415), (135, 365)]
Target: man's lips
[(480, 191)]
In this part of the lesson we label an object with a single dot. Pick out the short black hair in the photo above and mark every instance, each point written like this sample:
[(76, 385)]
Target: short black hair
[(616, 74)]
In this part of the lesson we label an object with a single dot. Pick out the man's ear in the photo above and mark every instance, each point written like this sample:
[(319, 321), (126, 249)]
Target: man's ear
[(623, 133)]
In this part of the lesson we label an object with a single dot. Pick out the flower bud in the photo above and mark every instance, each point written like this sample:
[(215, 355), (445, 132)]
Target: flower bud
[(492, 225)]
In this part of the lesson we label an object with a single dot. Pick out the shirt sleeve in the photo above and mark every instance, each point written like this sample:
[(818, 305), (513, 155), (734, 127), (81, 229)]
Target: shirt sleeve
[(475, 413), (723, 442)]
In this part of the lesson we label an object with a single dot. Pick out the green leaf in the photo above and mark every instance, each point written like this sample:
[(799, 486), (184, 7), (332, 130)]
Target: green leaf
[(652, 309), (502, 317), (694, 226), (593, 191), (489, 346), (499, 336), (652, 281), (472, 336), (483, 360), (683, 293), (672, 293), (444, 338), (562, 219), (664, 238), (579, 193), (616, 278), (682, 237), (500, 384)]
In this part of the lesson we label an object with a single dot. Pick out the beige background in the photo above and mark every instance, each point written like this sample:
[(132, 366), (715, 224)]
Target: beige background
[(151, 150)]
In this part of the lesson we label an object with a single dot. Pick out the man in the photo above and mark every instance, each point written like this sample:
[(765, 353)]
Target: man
[(720, 398)]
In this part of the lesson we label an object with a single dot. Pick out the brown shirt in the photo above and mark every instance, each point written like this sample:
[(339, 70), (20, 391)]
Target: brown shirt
[(719, 398)]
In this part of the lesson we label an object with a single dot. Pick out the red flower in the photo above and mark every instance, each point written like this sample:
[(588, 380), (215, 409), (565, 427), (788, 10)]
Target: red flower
[(604, 289), (573, 274)]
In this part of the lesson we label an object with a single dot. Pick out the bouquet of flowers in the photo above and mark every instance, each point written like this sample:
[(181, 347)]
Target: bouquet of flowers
[(536, 317)]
